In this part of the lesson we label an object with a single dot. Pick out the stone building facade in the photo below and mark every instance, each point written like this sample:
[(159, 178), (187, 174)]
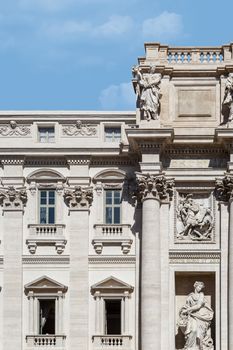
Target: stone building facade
[(116, 227)]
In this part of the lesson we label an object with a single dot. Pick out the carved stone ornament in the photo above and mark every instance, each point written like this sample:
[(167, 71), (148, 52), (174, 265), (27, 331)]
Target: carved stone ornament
[(148, 92), (13, 129), (78, 197), (79, 129), (228, 96), (196, 221), (13, 198), (224, 188), (195, 318), (157, 186)]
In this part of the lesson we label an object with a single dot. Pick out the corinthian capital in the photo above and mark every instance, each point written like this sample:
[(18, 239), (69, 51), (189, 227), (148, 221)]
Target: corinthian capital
[(13, 198), (157, 186), (224, 188), (78, 197)]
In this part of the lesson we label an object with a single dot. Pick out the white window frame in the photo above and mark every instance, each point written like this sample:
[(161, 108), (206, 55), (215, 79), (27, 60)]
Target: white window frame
[(105, 205), (47, 205)]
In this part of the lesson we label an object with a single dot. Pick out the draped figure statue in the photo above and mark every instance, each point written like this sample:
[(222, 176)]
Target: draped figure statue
[(195, 319), (228, 96)]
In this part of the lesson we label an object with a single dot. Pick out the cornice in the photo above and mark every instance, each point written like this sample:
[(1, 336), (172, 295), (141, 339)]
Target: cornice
[(113, 161), (194, 257), (47, 162), (12, 161), (45, 259)]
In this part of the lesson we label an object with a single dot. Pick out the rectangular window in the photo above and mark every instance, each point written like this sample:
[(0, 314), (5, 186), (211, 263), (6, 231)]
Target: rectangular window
[(47, 316), (47, 207), (112, 134), (112, 206), (113, 316), (46, 134)]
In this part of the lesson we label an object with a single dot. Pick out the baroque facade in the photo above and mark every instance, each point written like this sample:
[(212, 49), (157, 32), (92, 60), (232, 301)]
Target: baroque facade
[(117, 228)]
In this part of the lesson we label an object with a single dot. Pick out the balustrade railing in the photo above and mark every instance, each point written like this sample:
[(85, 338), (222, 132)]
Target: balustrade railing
[(195, 55), (46, 341), (41, 230), (110, 342)]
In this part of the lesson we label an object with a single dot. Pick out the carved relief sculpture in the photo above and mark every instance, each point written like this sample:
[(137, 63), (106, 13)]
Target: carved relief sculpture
[(79, 129), (148, 92), (228, 96), (196, 220), (13, 129), (195, 319), (78, 197), (13, 198), (224, 188)]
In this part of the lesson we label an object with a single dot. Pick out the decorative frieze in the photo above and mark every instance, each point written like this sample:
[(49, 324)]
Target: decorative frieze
[(78, 197), (199, 257), (79, 129), (12, 161), (157, 186), (112, 260), (195, 221), (12, 198), (45, 259), (13, 129), (224, 188)]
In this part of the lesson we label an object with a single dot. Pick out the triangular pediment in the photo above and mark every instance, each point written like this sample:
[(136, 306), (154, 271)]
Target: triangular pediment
[(45, 283), (111, 284)]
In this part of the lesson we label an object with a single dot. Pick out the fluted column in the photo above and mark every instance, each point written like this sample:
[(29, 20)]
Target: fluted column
[(151, 190), (224, 193), (12, 200), (79, 200)]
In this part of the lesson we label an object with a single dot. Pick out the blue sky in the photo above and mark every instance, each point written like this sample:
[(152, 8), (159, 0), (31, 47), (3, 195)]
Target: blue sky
[(78, 54)]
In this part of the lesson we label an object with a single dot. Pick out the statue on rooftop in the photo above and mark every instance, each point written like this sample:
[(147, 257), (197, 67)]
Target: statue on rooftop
[(228, 96), (148, 91)]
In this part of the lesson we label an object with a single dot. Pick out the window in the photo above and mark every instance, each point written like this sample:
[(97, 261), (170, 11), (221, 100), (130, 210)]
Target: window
[(47, 316), (112, 206), (46, 134), (112, 134), (47, 206), (113, 316)]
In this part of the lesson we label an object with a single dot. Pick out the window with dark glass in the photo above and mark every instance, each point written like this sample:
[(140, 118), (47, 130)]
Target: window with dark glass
[(112, 134), (113, 316), (47, 316), (47, 207), (46, 134), (112, 206)]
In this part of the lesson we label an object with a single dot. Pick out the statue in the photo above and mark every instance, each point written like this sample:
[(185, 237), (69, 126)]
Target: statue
[(148, 91), (196, 220), (195, 319), (228, 96)]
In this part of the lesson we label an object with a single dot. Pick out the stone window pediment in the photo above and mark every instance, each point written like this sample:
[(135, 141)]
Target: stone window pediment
[(111, 285), (45, 284), (110, 176), (45, 175)]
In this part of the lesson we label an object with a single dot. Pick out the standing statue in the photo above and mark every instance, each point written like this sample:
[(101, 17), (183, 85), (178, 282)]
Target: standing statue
[(195, 319), (196, 221), (228, 97), (148, 91)]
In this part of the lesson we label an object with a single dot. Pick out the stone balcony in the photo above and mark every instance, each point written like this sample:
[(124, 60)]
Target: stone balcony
[(44, 342), (111, 342), (50, 234), (112, 235)]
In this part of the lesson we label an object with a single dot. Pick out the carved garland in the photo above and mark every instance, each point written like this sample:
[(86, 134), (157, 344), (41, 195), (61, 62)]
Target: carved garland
[(13, 129), (79, 129), (78, 197), (13, 198)]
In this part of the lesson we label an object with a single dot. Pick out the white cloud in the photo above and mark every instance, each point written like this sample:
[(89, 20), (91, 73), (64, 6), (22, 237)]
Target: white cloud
[(113, 27), (166, 25), (116, 25), (118, 97)]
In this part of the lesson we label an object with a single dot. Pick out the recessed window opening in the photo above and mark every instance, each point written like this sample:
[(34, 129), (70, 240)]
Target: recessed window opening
[(46, 134), (47, 316), (112, 206), (112, 134), (47, 206), (113, 316)]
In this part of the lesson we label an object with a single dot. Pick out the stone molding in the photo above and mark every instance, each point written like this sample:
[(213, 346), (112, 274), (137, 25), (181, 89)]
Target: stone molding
[(194, 257), (78, 197), (114, 161), (12, 161), (14, 129), (46, 162), (78, 161), (45, 259), (12, 198), (224, 188), (112, 260), (154, 186)]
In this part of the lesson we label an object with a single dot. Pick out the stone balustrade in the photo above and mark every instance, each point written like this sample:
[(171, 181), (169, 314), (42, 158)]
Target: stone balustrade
[(46, 341), (111, 342), (50, 234), (195, 56), (112, 234)]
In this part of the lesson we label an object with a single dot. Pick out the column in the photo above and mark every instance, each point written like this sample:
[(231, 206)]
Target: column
[(79, 200), (12, 201), (152, 189)]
